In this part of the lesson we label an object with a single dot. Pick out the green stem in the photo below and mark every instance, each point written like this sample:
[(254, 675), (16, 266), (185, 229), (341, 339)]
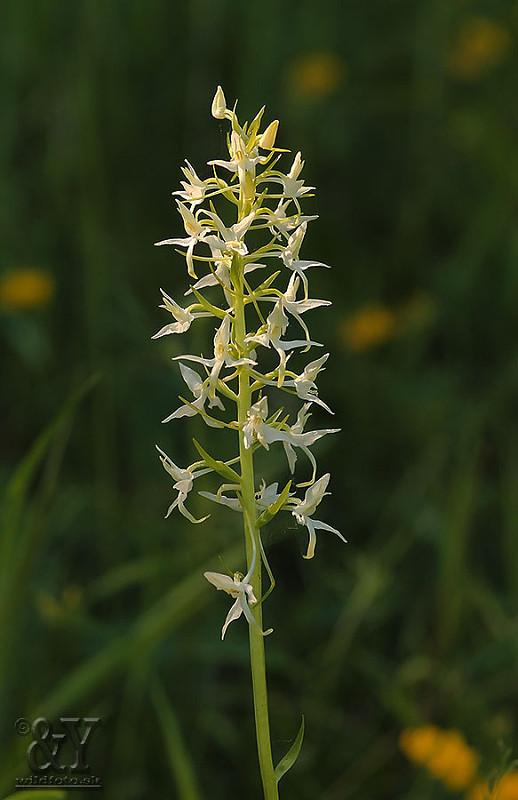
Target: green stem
[(259, 688)]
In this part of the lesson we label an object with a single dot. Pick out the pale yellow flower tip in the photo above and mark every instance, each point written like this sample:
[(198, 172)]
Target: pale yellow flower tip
[(267, 140), (219, 104)]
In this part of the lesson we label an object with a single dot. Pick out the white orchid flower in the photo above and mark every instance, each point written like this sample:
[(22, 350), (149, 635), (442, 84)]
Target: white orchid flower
[(241, 160), (194, 189), (276, 324), (223, 500), (290, 255), (295, 436), (195, 231), (200, 390), (288, 301), (279, 221), (292, 188), (183, 316), (242, 590), (231, 239), (221, 277), (224, 355), (266, 496), (257, 429), (304, 384), (302, 510), (254, 425), (183, 484)]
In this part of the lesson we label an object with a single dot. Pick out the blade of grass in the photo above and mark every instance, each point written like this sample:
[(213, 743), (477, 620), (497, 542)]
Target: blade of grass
[(179, 761)]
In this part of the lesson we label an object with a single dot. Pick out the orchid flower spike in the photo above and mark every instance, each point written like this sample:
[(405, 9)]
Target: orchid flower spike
[(244, 232)]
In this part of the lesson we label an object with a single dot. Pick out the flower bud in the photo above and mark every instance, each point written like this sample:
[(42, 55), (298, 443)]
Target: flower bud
[(267, 140), (219, 104)]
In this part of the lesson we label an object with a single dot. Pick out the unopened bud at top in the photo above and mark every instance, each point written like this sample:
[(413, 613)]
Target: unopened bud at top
[(267, 140), (219, 104)]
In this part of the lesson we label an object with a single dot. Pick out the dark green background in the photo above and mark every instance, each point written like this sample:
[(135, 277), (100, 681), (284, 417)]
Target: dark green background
[(104, 607)]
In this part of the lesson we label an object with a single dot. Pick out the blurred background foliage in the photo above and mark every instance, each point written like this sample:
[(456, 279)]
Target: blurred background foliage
[(405, 111)]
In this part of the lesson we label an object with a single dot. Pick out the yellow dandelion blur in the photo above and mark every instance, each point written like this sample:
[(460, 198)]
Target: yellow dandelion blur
[(479, 791), (418, 743), (505, 789), (316, 74), (481, 45), (368, 327), (26, 288), (452, 761), (445, 754)]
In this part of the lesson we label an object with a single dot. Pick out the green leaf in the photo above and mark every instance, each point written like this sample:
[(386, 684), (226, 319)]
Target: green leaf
[(274, 508), (265, 285), (256, 122), (291, 756), (217, 312), (218, 466), (227, 193)]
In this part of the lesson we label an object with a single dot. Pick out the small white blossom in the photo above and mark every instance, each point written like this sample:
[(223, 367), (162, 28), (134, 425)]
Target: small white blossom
[(266, 496), (241, 160), (194, 189), (224, 354), (279, 221), (242, 590), (183, 484), (276, 324), (183, 316), (304, 384), (201, 392), (256, 429), (195, 231), (302, 510), (231, 240), (254, 425), (292, 188)]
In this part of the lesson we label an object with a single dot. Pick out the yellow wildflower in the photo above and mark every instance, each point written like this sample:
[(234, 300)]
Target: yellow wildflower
[(418, 743), (480, 46), (505, 789), (26, 287), (479, 791), (445, 754), (316, 74), (452, 761), (370, 326)]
